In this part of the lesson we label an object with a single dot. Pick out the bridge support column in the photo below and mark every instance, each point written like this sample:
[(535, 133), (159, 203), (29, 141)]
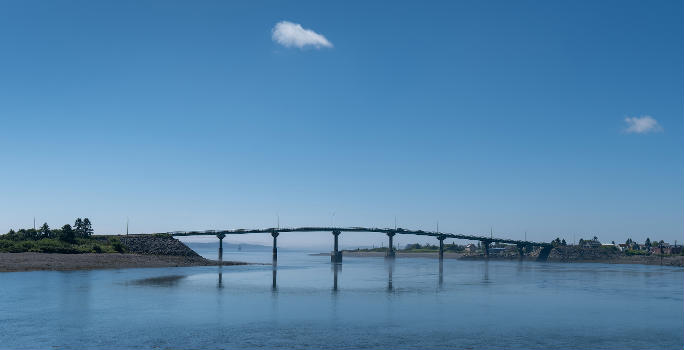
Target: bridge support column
[(336, 255), (485, 248), (220, 252), (275, 245), (521, 251), (441, 246), (390, 253)]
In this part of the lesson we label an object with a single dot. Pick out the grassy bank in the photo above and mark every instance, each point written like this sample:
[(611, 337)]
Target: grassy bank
[(78, 239), (92, 244)]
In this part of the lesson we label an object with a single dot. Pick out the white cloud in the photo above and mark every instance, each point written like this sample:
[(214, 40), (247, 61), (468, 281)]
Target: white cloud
[(642, 125), (291, 34)]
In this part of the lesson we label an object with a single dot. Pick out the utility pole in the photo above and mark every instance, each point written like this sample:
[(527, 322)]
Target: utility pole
[(126, 226), (34, 223)]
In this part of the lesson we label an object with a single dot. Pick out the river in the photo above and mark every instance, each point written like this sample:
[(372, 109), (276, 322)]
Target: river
[(366, 303)]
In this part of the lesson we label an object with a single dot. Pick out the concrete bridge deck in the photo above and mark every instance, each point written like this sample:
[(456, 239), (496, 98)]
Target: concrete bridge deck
[(336, 255)]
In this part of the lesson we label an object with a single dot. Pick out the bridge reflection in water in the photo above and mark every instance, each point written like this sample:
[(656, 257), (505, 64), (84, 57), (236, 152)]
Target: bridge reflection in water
[(337, 268)]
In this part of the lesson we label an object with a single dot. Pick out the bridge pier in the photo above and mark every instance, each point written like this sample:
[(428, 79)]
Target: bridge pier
[(336, 255), (275, 245), (441, 246), (390, 253), (485, 248), (220, 236)]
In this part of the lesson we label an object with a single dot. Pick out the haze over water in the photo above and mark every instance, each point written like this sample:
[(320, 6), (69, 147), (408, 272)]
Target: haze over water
[(477, 304)]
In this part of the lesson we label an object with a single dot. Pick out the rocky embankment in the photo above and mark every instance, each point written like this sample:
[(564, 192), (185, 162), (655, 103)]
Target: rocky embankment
[(155, 245), (610, 256), (574, 253), (566, 254)]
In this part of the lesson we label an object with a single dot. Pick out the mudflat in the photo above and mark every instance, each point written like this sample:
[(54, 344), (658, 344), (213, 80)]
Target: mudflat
[(43, 261)]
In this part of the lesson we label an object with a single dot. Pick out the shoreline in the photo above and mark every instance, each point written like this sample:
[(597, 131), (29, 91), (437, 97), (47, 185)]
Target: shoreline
[(21, 262), (675, 261)]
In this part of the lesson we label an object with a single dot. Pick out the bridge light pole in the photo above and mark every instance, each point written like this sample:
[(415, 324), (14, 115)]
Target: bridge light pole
[(220, 236), (275, 245), (336, 256), (390, 252)]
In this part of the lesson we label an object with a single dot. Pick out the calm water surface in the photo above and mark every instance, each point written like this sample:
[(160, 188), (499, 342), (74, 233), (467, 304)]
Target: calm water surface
[(408, 304)]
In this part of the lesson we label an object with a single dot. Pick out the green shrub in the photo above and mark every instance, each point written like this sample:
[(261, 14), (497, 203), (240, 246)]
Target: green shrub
[(631, 252), (118, 247), (56, 245)]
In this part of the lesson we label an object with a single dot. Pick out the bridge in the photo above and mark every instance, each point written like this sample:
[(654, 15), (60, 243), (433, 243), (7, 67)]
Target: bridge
[(336, 254)]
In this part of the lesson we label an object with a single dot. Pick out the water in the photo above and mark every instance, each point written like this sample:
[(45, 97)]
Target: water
[(408, 304)]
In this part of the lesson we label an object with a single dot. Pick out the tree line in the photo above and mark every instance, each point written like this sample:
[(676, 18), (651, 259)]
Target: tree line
[(83, 228)]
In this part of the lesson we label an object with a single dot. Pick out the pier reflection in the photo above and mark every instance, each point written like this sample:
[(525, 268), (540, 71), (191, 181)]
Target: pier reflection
[(485, 279), (441, 272), (274, 285), (220, 277), (336, 269), (389, 263)]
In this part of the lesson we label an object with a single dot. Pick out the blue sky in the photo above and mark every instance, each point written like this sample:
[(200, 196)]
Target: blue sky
[(476, 114)]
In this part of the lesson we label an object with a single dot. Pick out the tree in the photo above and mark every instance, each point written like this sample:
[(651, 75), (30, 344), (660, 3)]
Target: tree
[(87, 228), (78, 227), (45, 230), (563, 242), (648, 242), (32, 234), (595, 238), (67, 234)]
